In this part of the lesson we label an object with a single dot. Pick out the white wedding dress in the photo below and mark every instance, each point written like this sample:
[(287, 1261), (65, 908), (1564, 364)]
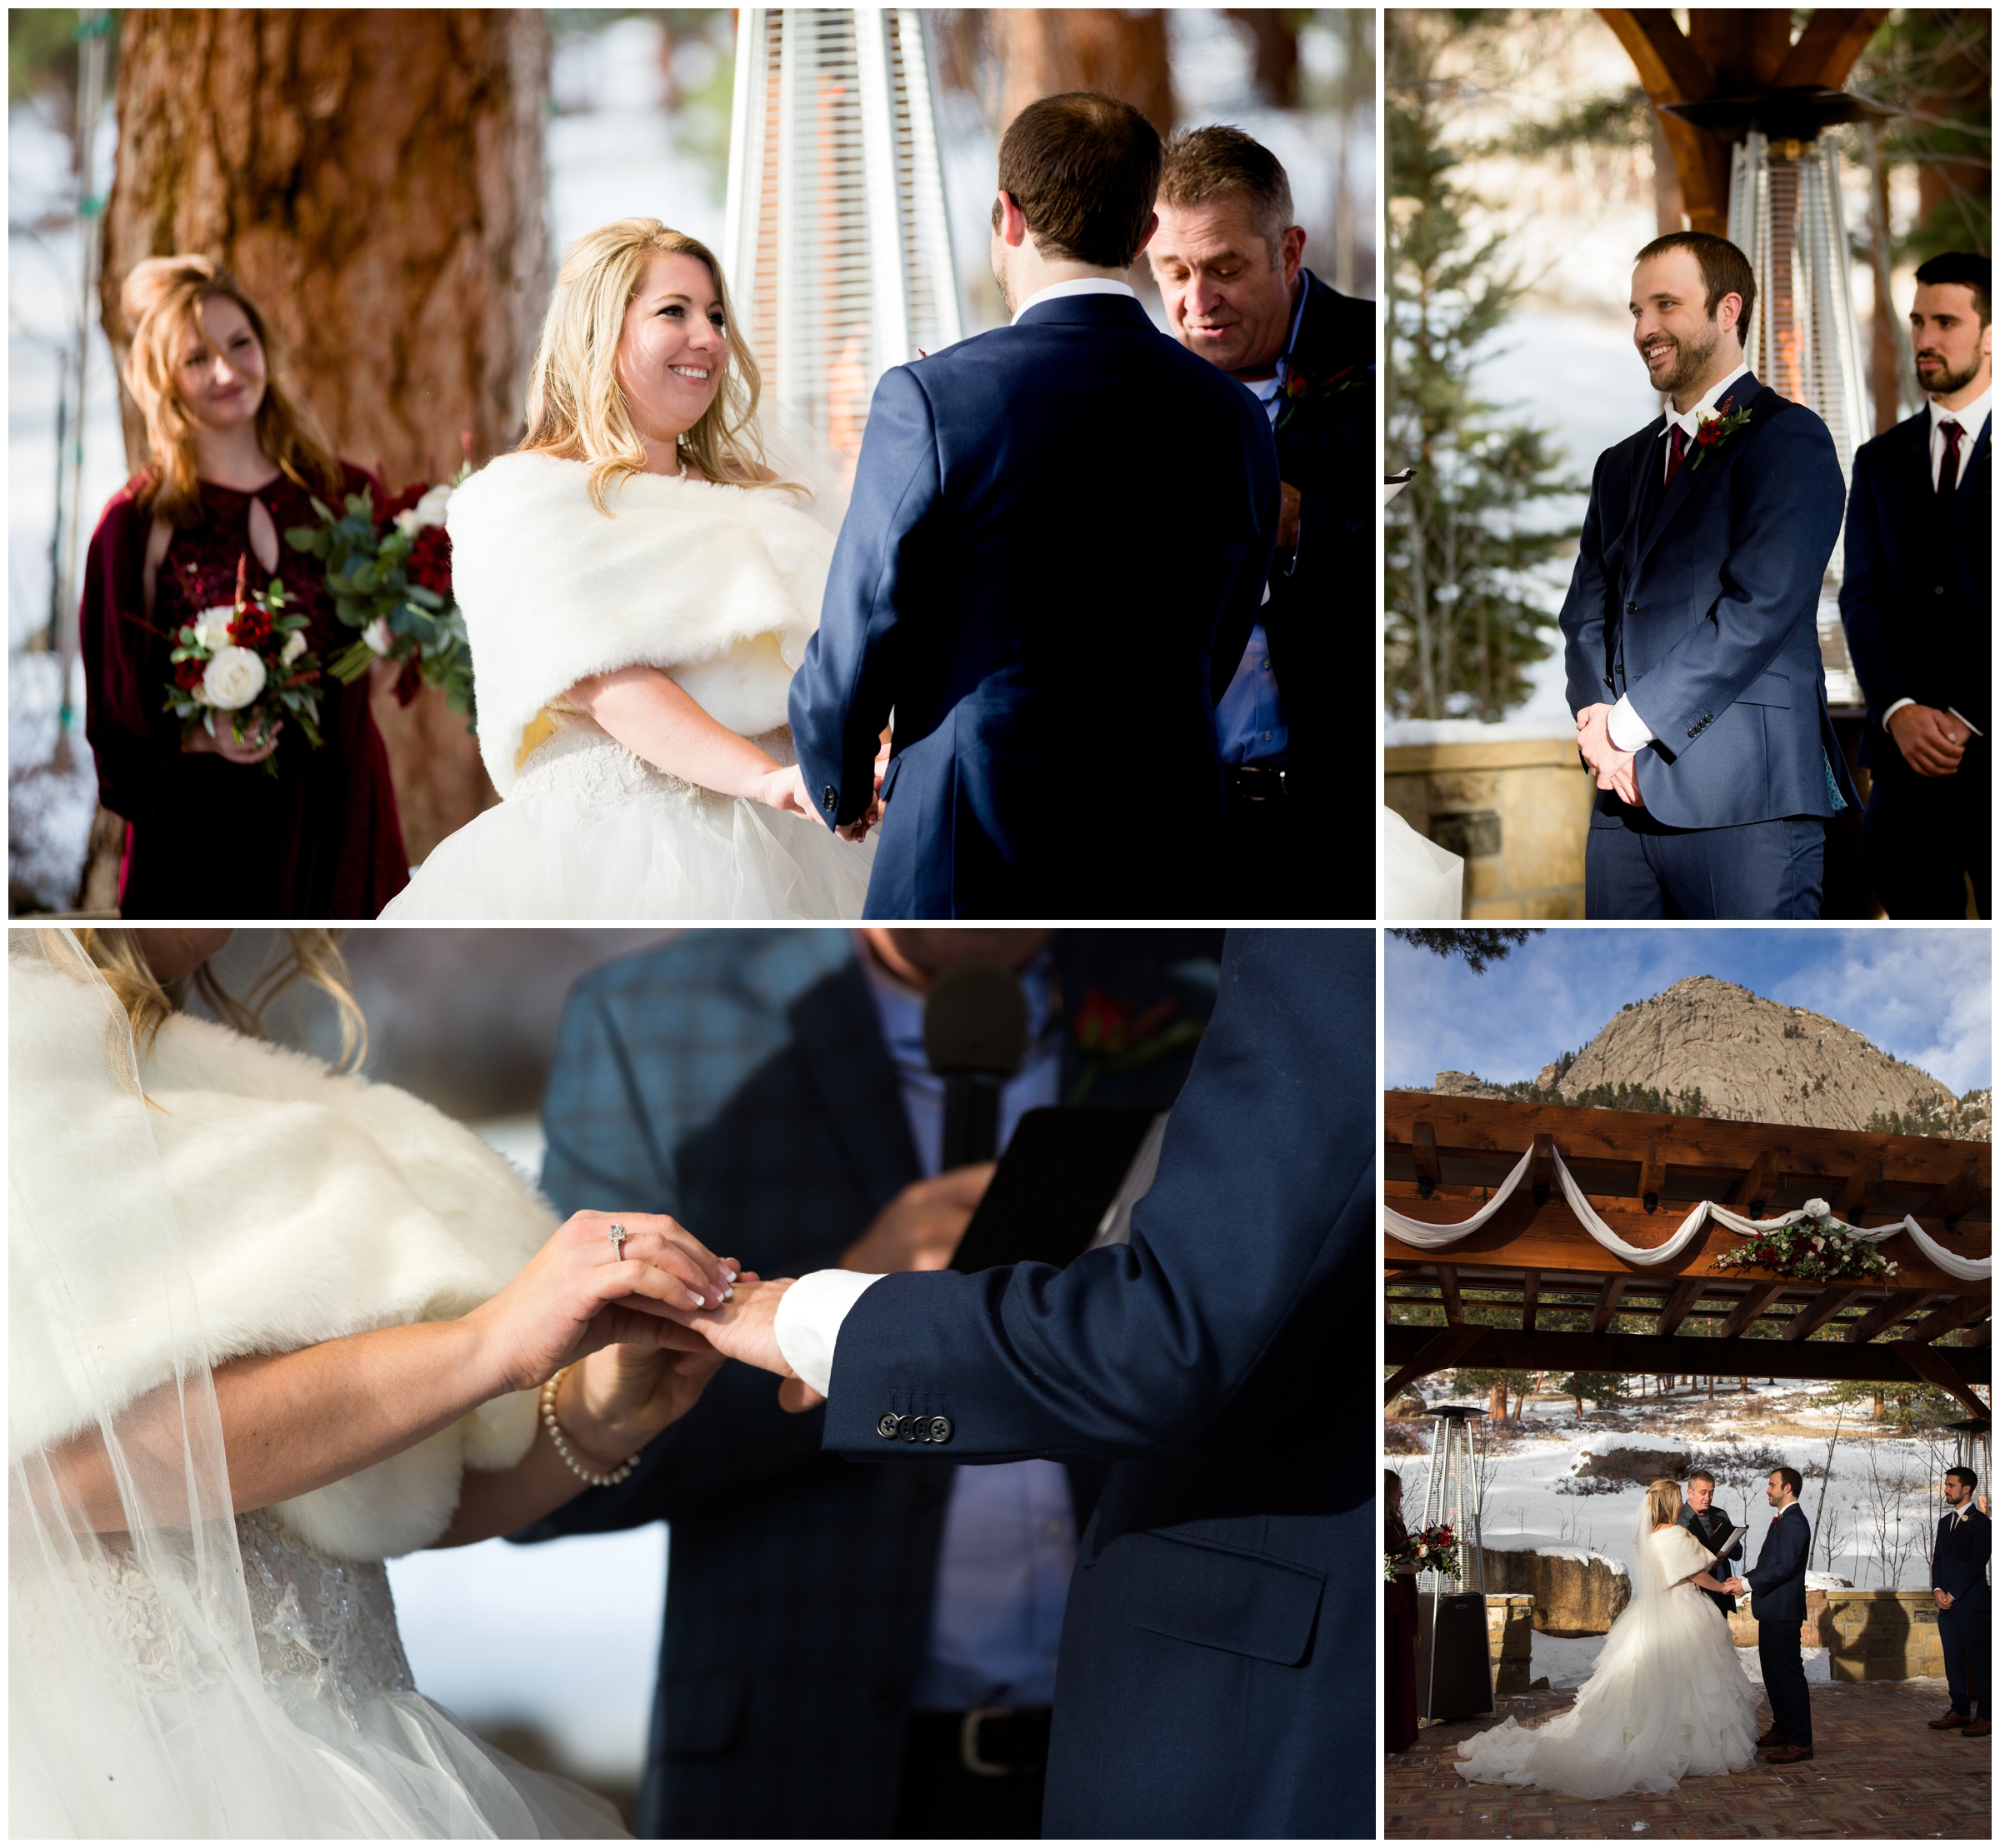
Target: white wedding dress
[(1667, 1699), (176, 1669), (1416, 878), (719, 587)]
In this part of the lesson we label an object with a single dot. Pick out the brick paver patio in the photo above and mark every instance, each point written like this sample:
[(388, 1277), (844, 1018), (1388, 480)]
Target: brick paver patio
[(1879, 1771)]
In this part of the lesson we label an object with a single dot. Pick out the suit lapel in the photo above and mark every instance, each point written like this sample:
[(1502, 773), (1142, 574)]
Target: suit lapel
[(1977, 472), (1644, 471), (1692, 479), (838, 1043)]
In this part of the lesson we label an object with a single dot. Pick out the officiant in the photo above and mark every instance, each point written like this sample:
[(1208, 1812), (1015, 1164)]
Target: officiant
[(1710, 1526), (773, 1088), (1229, 262)]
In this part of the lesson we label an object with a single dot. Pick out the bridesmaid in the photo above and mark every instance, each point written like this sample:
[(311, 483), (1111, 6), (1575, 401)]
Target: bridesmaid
[(1399, 1651), (236, 460)]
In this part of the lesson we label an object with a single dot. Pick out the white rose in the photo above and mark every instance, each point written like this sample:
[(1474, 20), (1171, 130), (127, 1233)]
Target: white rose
[(233, 679), (406, 522), (429, 512), (377, 636), (211, 627), (1816, 1209), (295, 646)]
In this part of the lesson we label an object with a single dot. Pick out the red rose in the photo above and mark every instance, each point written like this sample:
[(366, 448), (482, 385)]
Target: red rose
[(251, 627), (430, 561), (1705, 435), (188, 674)]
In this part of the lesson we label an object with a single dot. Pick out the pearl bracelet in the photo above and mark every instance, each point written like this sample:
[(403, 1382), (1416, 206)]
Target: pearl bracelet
[(550, 1387)]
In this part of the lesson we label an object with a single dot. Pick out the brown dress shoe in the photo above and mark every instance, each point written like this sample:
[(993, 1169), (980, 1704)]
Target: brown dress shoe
[(1952, 1719), (1773, 1737), (1977, 1729), (1792, 1755)]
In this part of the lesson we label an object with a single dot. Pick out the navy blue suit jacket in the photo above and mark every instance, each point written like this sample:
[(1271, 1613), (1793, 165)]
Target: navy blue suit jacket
[(738, 1080), (1701, 601), (1212, 1679), (1778, 1581), (1918, 602), (1057, 540), (1959, 1559)]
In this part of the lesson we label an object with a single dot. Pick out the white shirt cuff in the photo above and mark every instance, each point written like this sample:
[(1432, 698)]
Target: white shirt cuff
[(809, 1319), (1628, 730), (1894, 710), (1961, 718)]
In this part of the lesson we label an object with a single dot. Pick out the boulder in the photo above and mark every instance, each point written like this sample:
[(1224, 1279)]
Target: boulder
[(1639, 1467), (1576, 1592)]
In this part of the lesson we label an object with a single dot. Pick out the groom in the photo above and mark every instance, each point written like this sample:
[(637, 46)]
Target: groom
[(1779, 1583), (1690, 643), (1059, 534)]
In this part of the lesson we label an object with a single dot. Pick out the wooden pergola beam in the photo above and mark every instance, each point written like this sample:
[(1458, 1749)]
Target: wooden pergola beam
[(1820, 1310), (1531, 1290), (1424, 1157), (1750, 1308), (1900, 1307), (1447, 1290), (1969, 1307), (1860, 1190), (1448, 1347), (1687, 1293), (1930, 1365), (1608, 1303), (1954, 1197), (1693, 1354), (1834, 37), (1754, 1189)]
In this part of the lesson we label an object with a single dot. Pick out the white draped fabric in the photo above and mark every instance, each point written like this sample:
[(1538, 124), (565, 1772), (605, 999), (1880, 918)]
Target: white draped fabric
[(1431, 1238)]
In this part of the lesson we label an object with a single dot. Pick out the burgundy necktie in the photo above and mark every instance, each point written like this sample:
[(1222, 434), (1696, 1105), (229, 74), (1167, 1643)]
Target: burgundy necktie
[(1948, 470), (1677, 451)]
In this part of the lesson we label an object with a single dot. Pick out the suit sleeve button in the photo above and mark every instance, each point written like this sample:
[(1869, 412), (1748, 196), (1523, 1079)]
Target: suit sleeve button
[(829, 799), (1632, 609), (910, 1430), (940, 1430), (885, 1425)]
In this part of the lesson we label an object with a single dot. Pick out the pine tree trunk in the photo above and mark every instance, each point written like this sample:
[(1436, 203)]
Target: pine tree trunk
[(1046, 51), (374, 178)]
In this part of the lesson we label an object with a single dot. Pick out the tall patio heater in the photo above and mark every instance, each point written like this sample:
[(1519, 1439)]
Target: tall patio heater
[(1975, 1449), (1454, 1657), (1786, 216), (835, 244)]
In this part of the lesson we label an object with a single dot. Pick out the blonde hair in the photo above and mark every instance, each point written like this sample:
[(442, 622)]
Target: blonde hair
[(1664, 1500), (162, 296), (313, 956), (575, 407)]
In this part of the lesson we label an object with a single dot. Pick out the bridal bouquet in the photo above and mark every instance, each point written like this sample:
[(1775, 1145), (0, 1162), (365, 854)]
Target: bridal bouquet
[(1815, 1248), (249, 661), (390, 579), (1435, 1549)]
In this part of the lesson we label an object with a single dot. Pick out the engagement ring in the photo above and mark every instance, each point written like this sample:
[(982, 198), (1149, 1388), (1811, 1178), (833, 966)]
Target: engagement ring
[(617, 1236)]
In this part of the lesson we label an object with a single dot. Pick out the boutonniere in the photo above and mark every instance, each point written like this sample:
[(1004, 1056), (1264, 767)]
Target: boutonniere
[(1300, 387), (1714, 432), (1114, 1036)]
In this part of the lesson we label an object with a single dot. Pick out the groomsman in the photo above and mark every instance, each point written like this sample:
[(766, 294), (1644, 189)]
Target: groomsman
[(1917, 602), (1230, 266), (1959, 1562), (1691, 638)]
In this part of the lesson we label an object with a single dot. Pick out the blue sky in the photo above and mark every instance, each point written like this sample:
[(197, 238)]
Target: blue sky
[(1924, 996)]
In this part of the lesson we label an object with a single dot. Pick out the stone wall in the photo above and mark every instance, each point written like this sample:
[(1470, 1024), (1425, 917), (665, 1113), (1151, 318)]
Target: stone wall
[(1517, 809), (1883, 1636), (1510, 1638)]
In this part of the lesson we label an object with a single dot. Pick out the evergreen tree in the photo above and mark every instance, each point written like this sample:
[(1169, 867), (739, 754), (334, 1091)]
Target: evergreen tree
[(1465, 621)]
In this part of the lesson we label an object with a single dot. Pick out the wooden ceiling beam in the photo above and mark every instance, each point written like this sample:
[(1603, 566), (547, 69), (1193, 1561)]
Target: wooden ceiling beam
[(1754, 1189), (1750, 1308), (1900, 1306), (1531, 1290), (1447, 1288), (1687, 1293), (1698, 1354), (1834, 37), (1608, 1303), (1446, 1347), (1950, 1201), (1820, 1310), (1930, 1366), (1969, 1307), (1424, 1157), (1861, 1189)]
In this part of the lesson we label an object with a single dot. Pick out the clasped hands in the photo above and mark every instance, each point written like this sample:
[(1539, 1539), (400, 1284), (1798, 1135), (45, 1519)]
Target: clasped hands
[(1932, 741), (1614, 769)]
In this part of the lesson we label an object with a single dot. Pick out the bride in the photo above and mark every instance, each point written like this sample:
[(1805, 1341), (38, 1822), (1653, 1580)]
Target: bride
[(269, 1326), (638, 589), (1667, 1699)]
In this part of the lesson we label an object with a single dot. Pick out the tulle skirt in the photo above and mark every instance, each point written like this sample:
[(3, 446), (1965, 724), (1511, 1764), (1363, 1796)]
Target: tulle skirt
[(1419, 879), (1668, 1699), (592, 830)]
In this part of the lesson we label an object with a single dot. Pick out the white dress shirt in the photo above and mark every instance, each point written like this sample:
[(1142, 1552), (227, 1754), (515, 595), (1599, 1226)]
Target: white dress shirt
[(1084, 285), (1970, 419), (1628, 730), (1009, 1543)]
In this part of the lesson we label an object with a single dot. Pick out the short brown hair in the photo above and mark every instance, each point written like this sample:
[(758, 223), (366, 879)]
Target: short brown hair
[(1790, 1477), (1725, 270), (1205, 164), (1084, 168), (1969, 270), (1701, 1476)]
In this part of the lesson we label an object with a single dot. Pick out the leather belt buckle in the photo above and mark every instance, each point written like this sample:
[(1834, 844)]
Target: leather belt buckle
[(1254, 783), (969, 1741)]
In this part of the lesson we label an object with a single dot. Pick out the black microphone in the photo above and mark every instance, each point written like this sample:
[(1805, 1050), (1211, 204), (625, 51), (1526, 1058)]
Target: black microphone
[(975, 1033)]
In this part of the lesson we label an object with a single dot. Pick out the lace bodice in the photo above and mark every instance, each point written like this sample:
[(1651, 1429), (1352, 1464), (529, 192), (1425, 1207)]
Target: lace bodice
[(326, 1628)]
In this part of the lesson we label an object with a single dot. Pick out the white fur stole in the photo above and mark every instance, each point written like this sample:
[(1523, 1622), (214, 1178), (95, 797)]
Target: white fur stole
[(718, 585), (309, 1205)]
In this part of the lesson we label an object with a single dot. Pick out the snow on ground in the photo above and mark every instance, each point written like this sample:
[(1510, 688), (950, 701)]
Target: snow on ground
[(1875, 1542)]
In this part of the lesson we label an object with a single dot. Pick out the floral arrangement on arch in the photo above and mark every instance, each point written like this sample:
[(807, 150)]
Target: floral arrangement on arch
[(246, 663), (1815, 1248), (389, 578), (1432, 1549)]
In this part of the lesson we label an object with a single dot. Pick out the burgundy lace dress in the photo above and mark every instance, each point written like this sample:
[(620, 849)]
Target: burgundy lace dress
[(207, 838)]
